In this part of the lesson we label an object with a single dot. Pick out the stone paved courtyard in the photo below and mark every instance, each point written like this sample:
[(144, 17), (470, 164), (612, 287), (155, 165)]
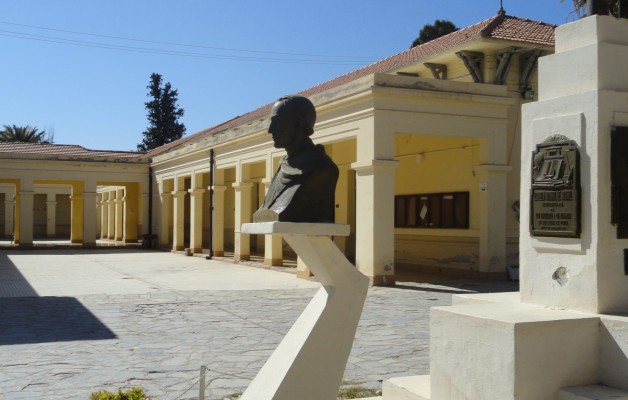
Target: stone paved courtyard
[(125, 319)]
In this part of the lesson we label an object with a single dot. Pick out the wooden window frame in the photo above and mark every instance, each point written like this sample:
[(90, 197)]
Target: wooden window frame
[(446, 210)]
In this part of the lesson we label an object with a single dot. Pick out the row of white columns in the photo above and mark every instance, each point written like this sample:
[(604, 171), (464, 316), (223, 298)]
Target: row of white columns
[(375, 192), (112, 215), (19, 218)]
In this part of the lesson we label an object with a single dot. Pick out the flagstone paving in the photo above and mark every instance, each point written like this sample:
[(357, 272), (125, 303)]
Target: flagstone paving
[(73, 322)]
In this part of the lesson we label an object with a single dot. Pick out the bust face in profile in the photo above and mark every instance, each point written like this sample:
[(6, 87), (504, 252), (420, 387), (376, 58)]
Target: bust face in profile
[(292, 121), (303, 187)]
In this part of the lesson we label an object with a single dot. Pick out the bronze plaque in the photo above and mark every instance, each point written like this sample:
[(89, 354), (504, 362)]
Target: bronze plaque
[(555, 195)]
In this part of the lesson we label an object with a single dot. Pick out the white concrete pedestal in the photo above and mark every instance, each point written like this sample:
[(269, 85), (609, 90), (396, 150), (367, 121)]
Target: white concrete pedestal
[(565, 336), (310, 361)]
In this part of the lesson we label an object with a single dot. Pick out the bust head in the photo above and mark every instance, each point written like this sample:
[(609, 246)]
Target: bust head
[(292, 122)]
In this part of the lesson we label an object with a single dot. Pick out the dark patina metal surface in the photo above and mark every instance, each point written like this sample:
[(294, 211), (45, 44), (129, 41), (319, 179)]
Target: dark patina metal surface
[(555, 194)]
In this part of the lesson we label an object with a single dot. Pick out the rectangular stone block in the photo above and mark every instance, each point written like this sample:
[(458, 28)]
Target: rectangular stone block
[(614, 351), (508, 351)]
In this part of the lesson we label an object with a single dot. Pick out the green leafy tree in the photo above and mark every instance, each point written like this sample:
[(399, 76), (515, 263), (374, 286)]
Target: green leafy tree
[(610, 7), (163, 115), (439, 28), (25, 134)]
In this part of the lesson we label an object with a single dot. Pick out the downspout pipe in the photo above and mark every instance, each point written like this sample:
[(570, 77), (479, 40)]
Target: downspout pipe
[(150, 201), (148, 240), (211, 204)]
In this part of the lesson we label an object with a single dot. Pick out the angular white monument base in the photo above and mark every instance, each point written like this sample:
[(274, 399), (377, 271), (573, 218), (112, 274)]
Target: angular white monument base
[(510, 351), (492, 347), (310, 361)]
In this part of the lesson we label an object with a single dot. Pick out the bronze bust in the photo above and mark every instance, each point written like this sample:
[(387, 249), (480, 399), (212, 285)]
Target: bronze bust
[(304, 186)]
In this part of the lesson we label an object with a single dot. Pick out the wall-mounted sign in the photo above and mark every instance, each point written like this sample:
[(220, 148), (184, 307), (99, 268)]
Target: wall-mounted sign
[(555, 195)]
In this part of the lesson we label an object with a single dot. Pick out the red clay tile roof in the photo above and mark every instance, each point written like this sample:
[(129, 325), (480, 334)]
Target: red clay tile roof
[(500, 26), (66, 150)]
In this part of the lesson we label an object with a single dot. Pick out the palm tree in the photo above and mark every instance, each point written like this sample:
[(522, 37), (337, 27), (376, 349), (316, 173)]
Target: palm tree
[(26, 134)]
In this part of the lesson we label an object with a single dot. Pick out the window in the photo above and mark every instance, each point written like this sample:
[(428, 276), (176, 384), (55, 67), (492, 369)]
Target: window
[(433, 210)]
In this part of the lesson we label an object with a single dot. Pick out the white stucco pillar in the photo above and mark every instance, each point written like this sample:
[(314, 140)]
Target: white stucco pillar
[(178, 223), (143, 217), (375, 204), (375, 230), (51, 214), (9, 207), (242, 241), (493, 208), (218, 221), (164, 226), (90, 214), (111, 205), (119, 220), (196, 219), (583, 96), (26, 198), (273, 251), (98, 214), (104, 216)]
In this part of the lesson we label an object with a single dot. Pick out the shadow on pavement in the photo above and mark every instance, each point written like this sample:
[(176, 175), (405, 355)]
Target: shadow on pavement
[(25, 320)]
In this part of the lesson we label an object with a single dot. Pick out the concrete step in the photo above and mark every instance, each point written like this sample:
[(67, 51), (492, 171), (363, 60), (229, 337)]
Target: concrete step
[(407, 388), (592, 392)]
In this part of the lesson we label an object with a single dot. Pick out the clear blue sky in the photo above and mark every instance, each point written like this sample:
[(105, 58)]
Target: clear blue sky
[(82, 77)]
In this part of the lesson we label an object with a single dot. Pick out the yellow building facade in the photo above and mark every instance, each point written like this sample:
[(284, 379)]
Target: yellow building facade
[(59, 191), (427, 143)]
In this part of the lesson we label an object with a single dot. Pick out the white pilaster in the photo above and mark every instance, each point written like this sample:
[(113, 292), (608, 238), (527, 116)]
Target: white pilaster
[(51, 214)]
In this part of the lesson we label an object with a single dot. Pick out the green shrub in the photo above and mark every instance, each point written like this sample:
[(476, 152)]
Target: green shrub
[(357, 392), (131, 394)]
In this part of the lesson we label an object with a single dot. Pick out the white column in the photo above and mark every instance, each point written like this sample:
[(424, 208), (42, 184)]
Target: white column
[(90, 213), (143, 215), (9, 207), (111, 205), (178, 224), (273, 251), (26, 198), (119, 220), (242, 241), (375, 205), (51, 214), (164, 226), (493, 208), (218, 221), (196, 219), (104, 216)]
